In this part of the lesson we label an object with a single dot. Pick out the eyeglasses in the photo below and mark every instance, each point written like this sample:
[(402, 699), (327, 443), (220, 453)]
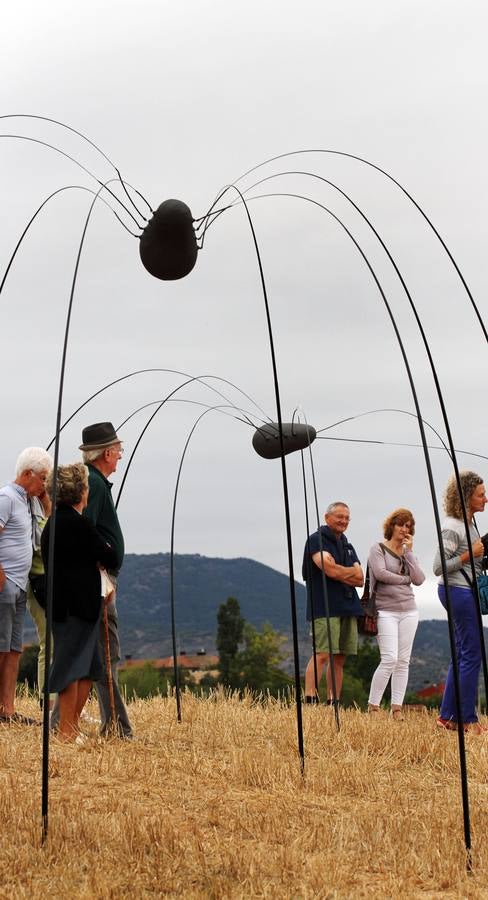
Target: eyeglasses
[(118, 450)]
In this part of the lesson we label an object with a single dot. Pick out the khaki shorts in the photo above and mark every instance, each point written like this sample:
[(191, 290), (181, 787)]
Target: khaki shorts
[(344, 632)]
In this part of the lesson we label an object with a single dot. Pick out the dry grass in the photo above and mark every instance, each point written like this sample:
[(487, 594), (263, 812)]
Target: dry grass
[(216, 807)]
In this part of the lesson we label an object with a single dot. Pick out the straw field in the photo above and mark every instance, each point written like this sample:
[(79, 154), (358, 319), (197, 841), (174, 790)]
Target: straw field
[(216, 807)]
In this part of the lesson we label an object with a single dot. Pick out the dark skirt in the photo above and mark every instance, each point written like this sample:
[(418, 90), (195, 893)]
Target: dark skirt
[(75, 653)]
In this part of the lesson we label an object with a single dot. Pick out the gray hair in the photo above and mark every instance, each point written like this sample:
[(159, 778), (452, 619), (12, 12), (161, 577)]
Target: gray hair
[(35, 458), (89, 456), (331, 507)]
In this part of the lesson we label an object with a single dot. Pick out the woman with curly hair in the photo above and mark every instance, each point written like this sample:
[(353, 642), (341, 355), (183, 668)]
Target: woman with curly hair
[(79, 551), (463, 601), (393, 569)]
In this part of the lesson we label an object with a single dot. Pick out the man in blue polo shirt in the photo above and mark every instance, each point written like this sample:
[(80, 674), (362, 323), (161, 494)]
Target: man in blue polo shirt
[(16, 542), (329, 551)]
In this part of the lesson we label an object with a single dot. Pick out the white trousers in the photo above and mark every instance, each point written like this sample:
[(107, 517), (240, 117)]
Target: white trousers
[(396, 631)]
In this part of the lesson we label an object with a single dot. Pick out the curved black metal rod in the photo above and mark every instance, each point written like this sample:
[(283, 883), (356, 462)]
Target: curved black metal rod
[(172, 556), (50, 567), (103, 185), (146, 371), (460, 731), (205, 219), (210, 218), (63, 125), (404, 412), (68, 187), (403, 189), (321, 437), (88, 141), (370, 412), (153, 415), (245, 421), (440, 398), (220, 408), (146, 426)]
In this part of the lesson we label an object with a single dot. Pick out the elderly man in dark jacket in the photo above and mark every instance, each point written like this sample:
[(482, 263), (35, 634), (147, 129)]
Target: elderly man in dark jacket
[(102, 449)]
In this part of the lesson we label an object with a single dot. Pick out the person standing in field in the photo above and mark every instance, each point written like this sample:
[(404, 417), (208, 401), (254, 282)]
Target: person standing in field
[(16, 545), (36, 587), (79, 551), (463, 600), (329, 551), (102, 450), (393, 569)]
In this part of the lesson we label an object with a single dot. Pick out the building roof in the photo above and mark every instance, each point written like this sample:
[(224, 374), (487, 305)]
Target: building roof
[(186, 661), (431, 690)]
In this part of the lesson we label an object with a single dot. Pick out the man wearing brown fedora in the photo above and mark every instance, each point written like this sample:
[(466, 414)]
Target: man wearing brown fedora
[(102, 449)]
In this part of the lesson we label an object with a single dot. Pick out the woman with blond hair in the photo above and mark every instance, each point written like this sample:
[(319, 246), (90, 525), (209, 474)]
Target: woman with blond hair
[(393, 569), (463, 601), (79, 551)]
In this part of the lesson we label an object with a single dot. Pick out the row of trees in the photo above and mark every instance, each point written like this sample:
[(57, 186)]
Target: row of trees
[(249, 659)]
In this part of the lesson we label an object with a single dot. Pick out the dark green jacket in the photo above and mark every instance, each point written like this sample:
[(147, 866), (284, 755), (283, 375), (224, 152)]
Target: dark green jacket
[(102, 513)]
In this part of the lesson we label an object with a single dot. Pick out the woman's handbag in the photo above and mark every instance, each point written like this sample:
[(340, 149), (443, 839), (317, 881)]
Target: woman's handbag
[(483, 592), (368, 624), (482, 582)]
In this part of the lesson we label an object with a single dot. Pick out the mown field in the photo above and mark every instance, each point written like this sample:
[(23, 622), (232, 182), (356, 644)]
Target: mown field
[(216, 807)]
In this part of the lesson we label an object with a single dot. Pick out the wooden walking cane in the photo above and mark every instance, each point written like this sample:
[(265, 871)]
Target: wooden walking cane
[(108, 662)]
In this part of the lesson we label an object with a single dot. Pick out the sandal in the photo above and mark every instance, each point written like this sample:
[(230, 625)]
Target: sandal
[(17, 719), (475, 728), (372, 708), (446, 724), (397, 714)]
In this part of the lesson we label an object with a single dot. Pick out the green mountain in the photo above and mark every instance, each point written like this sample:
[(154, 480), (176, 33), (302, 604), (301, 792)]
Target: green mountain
[(201, 584), (431, 654)]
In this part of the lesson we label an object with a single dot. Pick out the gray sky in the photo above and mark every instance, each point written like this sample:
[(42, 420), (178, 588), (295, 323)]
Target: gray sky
[(184, 98)]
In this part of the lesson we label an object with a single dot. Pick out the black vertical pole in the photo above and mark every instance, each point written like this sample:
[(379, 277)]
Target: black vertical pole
[(309, 579), (52, 530), (296, 660)]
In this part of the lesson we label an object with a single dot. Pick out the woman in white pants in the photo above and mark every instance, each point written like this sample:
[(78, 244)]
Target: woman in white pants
[(393, 569)]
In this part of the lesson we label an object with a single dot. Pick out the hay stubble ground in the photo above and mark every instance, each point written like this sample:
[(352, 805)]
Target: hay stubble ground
[(216, 807)]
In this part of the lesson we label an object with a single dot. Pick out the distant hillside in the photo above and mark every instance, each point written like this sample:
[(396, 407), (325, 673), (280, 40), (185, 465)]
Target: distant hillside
[(203, 583)]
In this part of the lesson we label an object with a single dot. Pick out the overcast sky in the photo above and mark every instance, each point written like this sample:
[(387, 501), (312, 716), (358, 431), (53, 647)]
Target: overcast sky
[(184, 98)]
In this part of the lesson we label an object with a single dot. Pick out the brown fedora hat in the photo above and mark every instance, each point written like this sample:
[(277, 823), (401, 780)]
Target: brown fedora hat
[(100, 435)]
